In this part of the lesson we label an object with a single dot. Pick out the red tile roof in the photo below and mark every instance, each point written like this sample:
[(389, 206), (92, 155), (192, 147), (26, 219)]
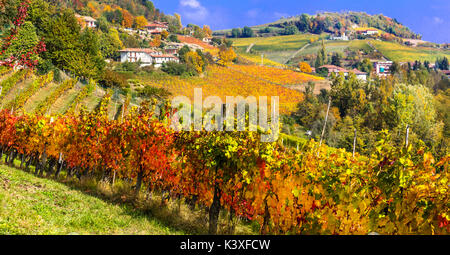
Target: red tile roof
[(356, 71), (156, 25), (146, 50)]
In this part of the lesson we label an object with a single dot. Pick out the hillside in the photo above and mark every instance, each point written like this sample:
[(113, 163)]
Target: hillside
[(328, 22), (290, 49), (34, 206)]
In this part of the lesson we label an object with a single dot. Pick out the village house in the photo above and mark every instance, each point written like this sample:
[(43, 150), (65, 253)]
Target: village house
[(146, 56), (360, 75), (171, 49), (337, 69), (86, 21), (382, 68), (343, 37), (207, 39), (368, 32), (156, 27)]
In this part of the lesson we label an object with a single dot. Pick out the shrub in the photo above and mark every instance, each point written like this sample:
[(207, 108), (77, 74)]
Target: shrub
[(112, 79), (174, 68)]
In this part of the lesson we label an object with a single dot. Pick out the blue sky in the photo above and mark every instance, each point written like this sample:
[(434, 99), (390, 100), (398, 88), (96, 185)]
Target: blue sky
[(430, 18)]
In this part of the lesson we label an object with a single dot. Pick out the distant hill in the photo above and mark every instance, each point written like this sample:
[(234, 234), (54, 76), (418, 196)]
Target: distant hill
[(326, 22)]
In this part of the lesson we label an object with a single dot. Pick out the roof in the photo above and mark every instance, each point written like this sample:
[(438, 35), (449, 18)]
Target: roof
[(447, 72), (162, 56), (86, 18), (146, 50), (357, 72), (156, 25), (333, 67)]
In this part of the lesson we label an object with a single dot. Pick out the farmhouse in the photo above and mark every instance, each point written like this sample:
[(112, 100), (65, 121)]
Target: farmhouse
[(146, 56), (360, 75), (382, 68), (369, 32), (343, 37), (86, 21), (156, 27), (207, 39), (171, 49), (337, 69)]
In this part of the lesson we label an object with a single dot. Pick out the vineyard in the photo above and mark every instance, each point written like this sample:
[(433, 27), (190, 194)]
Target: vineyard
[(312, 190), (279, 76), (222, 82), (397, 52)]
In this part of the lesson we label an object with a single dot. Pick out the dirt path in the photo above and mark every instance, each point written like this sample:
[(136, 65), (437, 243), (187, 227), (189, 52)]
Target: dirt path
[(296, 53)]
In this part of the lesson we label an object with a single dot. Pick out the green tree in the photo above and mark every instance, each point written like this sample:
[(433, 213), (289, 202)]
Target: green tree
[(24, 42), (247, 32)]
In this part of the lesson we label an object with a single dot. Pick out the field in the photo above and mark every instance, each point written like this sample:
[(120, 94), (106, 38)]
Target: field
[(33, 206), (401, 53), (283, 46), (222, 82), (275, 75), (256, 59)]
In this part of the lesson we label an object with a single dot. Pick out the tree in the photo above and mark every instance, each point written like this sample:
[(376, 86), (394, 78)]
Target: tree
[(321, 56), (226, 56), (24, 42), (140, 22), (236, 32), (110, 43), (304, 67), (156, 42), (164, 34), (247, 32), (183, 51), (290, 30), (194, 60), (336, 59), (207, 31), (127, 19), (178, 18)]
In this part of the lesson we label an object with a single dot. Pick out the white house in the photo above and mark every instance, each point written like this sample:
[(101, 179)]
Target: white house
[(370, 32), (360, 75), (343, 37), (146, 56), (382, 68), (88, 22), (207, 39), (156, 27)]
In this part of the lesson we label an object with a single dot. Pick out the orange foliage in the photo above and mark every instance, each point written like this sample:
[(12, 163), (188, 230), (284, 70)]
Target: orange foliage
[(277, 75)]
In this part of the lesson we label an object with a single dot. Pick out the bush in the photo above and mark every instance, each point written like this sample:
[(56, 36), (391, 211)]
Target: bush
[(174, 68), (111, 79), (154, 92)]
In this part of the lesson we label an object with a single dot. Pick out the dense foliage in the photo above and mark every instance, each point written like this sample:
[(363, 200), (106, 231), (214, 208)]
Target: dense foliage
[(398, 190)]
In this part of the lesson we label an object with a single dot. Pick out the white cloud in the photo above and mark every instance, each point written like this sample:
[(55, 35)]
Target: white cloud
[(437, 20), (193, 10)]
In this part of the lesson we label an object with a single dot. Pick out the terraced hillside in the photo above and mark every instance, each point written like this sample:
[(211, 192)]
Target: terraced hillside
[(42, 95), (286, 49)]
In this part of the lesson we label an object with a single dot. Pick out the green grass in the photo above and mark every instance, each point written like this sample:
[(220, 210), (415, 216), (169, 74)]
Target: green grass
[(31, 205), (402, 53), (275, 43)]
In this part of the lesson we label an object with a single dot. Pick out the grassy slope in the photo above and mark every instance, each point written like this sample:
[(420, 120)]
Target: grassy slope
[(402, 53), (31, 205), (279, 48)]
